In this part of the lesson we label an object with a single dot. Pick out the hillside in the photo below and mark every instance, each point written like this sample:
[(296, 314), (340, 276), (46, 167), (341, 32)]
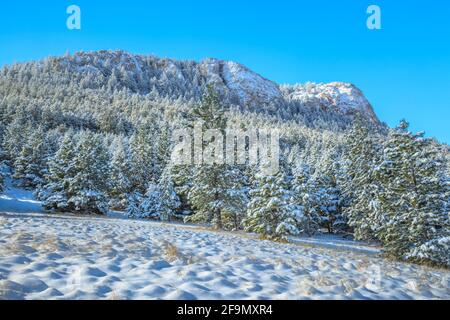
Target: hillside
[(153, 78)]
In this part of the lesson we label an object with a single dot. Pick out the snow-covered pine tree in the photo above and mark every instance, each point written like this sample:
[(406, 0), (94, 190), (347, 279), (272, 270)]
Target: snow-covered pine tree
[(55, 193), (90, 183), (77, 179), (162, 150), (412, 203), (305, 197), (150, 207), (329, 203), (16, 134), (170, 201), (134, 201), (215, 191), (30, 166), (271, 212), (181, 175), (142, 158), (360, 158), (235, 211), (2, 180), (2, 151), (329, 196), (159, 202), (215, 188), (120, 174)]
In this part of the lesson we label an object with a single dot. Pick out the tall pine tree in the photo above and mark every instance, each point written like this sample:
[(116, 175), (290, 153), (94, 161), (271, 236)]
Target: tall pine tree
[(170, 201), (271, 212), (78, 176), (30, 166), (54, 194), (412, 201), (215, 188), (305, 197), (90, 182), (120, 174), (142, 158), (360, 159)]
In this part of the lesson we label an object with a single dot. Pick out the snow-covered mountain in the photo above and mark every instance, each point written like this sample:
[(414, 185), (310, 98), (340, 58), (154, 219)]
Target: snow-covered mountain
[(339, 96), (236, 83)]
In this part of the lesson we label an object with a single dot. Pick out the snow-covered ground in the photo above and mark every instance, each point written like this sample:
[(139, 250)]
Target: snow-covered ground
[(18, 200), (68, 257), (45, 256), (336, 243)]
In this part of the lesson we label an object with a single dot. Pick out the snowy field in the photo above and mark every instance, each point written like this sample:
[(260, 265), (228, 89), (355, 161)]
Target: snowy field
[(68, 257), (46, 256)]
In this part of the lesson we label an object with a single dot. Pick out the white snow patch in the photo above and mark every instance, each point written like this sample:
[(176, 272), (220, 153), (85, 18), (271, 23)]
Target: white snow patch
[(337, 242), (18, 200)]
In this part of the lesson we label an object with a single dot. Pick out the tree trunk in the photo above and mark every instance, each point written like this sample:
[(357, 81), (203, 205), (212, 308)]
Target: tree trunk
[(218, 220), (329, 227)]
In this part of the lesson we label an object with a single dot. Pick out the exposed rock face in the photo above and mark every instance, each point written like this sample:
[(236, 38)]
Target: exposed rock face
[(339, 96), (243, 85)]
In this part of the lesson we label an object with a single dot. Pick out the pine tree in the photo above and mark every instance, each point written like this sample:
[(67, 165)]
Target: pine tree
[(216, 193), (120, 174), (329, 203), (2, 180), (305, 197), (159, 202), (215, 188), (181, 176), (328, 194), (412, 202), (15, 135), (90, 182), (150, 207), (170, 201), (54, 194), (235, 212), (142, 159), (77, 179), (31, 164), (360, 159), (270, 211), (134, 201), (162, 151)]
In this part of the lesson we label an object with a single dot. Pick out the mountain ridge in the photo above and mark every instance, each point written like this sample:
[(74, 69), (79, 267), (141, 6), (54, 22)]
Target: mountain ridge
[(236, 83)]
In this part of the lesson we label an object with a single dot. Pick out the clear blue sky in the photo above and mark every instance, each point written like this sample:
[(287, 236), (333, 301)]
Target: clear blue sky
[(404, 69)]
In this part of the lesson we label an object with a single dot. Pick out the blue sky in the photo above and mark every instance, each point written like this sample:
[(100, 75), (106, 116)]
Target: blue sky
[(404, 69)]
